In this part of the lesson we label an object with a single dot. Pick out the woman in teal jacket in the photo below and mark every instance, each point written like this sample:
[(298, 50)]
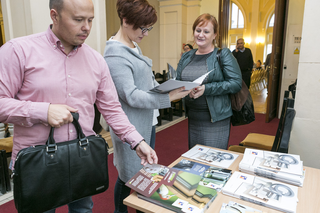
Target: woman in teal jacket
[(208, 106)]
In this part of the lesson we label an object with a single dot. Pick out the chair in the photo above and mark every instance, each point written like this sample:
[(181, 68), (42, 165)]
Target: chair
[(278, 143)]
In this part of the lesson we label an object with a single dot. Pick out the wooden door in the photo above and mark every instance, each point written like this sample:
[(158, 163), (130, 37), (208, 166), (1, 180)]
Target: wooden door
[(224, 11), (278, 43)]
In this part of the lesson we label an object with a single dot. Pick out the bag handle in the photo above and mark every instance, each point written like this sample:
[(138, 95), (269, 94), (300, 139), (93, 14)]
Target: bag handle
[(51, 143)]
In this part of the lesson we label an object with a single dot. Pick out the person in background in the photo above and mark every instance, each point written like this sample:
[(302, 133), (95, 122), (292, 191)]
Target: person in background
[(267, 63), (208, 106), (187, 47), (245, 60), (78, 76), (132, 74), (258, 65)]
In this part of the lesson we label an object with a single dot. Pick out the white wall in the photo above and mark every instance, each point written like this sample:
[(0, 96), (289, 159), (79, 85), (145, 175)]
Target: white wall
[(291, 60), (27, 17), (305, 133)]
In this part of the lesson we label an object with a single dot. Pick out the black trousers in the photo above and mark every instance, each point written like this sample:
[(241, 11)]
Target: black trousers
[(246, 77)]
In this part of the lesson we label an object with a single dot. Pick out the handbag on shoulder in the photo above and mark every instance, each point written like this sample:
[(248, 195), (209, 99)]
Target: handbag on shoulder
[(55, 174), (241, 103)]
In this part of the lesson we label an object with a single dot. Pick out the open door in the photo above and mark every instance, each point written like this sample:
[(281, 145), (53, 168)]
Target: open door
[(275, 75), (1, 28), (224, 11)]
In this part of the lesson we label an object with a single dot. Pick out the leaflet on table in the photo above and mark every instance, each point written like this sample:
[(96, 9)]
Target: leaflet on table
[(211, 156), (172, 84), (233, 207), (262, 191), (151, 177), (178, 199), (272, 161), (212, 177), (173, 189)]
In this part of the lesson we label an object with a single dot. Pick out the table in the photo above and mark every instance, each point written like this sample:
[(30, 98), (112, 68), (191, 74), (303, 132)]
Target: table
[(308, 195)]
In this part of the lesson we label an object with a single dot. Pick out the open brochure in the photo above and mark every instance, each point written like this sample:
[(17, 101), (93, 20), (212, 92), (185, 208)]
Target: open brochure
[(211, 156), (262, 191), (173, 189), (212, 177), (173, 84), (233, 207), (274, 165)]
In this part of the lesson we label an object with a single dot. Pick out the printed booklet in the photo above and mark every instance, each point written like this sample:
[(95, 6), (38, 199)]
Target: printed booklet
[(173, 189), (274, 165), (212, 177), (173, 84), (211, 156), (262, 191), (233, 207)]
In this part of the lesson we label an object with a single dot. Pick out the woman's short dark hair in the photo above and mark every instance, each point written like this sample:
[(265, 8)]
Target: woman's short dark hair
[(204, 19), (136, 12), (189, 45)]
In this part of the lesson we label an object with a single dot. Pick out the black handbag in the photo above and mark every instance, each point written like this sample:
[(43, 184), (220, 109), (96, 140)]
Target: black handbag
[(241, 103), (55, 174)]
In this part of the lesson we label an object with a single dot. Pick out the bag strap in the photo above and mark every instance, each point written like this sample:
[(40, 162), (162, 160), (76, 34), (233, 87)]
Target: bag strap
[(51, 143), (219, 58)]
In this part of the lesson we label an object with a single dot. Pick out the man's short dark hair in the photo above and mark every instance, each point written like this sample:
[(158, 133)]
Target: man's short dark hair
[(56, 4)]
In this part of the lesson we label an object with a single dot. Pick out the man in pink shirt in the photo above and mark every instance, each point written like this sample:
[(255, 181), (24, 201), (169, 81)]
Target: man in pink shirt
[(45, 76)]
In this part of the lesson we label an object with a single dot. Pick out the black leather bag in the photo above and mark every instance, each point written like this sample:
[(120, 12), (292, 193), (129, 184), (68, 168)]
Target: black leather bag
[(241, 103), (55, 174)]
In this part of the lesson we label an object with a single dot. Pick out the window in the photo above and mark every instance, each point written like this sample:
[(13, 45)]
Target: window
[(237, 20), (271, 22)]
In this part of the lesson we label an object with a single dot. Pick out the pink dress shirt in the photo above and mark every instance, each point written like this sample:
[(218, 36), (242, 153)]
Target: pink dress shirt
[(35, 71)]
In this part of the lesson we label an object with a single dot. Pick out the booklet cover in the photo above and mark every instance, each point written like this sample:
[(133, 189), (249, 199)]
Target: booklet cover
[(233, 207), (275, 161), (173, 189), (212, 177), (278, 166), (211, 156), (151, 177), (172, 198), (262, 191)]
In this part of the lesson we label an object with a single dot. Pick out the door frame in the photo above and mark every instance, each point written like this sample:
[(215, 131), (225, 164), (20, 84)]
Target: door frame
[(275, 75)]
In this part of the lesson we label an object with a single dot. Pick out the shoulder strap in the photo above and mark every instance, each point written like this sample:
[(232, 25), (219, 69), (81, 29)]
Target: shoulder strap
[(219, 58)]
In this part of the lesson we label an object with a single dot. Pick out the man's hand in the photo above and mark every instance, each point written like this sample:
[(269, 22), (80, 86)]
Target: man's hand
[(59, 115), (146, 153), (197, 92), (178, 93)]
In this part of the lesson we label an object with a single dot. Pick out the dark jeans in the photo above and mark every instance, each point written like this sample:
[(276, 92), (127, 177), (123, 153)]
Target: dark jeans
[(121, 191), (246, 77), (153, 137)]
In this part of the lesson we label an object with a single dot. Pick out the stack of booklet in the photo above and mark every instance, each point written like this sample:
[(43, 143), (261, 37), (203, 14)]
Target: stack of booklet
[(274, 165), (262, 191), (176, 190), (211, 156)]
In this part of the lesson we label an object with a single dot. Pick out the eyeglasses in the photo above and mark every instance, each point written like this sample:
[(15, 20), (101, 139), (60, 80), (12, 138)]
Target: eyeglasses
[(145, 29)]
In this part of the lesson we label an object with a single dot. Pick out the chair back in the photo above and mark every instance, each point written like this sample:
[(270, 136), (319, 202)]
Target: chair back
[(285, 125)]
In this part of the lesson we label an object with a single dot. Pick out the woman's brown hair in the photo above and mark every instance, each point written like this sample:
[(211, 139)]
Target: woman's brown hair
[(204, 19), (138, 13)]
